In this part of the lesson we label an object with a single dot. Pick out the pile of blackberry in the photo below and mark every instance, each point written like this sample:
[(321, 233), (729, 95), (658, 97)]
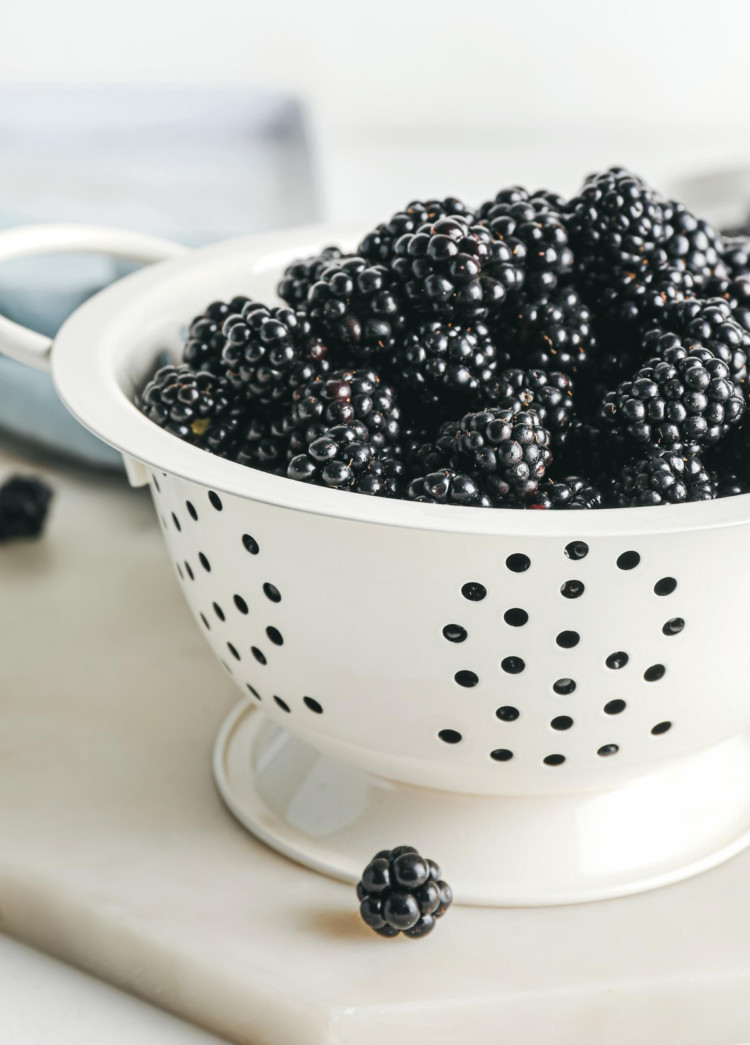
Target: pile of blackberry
[(533, 352)]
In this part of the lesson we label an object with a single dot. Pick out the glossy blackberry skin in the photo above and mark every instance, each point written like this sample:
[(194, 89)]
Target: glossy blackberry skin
[(294, 285), (443, 363), (265, 442), (736, 293), (693, 244), (616, 221), (345, 396), (271, 352), (555, 332), (709, 324), (572, 492), (736, 255), (636, 297), (507, 453), (190, 404), (686, 398), (447, 487), (456, 269), (205, 340), (358, 309), (402, 892), (344, 459), (378, 246), (548, 393), (24, 504), (666, 477)]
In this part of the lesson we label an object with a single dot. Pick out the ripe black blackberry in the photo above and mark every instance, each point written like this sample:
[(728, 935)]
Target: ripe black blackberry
[(506, 453), (548, 393), (442, 363), (685, 399), (294, 286), (693, 244), (736, 256), (400, 891), (24, 503), (450, 267), (345, 459), (615, 222), (192, 405), (447, 487), (266, 442), (736, 293), (555, 332), (635, 298), (358, 309), (571, 492), (707, 324), (666, 477), (345, 396), (205, 340), (378, 246), (271, 352)]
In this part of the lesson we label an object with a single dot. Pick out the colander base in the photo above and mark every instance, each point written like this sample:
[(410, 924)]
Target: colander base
[(495, 851)]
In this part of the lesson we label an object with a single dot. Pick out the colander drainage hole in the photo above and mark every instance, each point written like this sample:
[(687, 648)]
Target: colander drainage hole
[(665, 586), (191, 510), (179, 571), (577, 550), (516, 617), (450, 736), (608, 749), (572, 589), (674, 626), (562, 722), (204, 562), (271, 592), (233, 651), (189, 571), (474, 591), (251, 545), (568, 639), (628, 560), (240, 604), (205, 621), (513, 665), (614, 707), (455, 633), (156, 484), (654, 673), (466, 678), (661, 727), (258, 654), (282, 704), (275, 636), (518, 563), (564, 687), (507, 713), (176, 522), (501, 754), (554, 760), (618, 660), (219, 611), (215, 501), (253, 690), (313, 705)]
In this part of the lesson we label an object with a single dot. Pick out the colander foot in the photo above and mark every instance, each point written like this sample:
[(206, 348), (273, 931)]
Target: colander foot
[(496, 851)]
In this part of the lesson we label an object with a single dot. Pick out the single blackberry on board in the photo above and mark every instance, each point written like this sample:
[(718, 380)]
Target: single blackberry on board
[(450, 267), (358, 309), (271, 352), (685, 399), (24, 503), (345, 396), (443, 362), (548, 393), (378, 246), (298, 277), (188, 403), (666, 477), (707, 324), (507, 453), (266, 442), (447, 487), (205, 340), (555, 332), (344, 459), (401, 892), (571, 492)]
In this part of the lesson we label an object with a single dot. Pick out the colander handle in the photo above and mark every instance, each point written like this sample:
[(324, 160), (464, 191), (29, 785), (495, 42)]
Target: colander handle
[(29, 346)]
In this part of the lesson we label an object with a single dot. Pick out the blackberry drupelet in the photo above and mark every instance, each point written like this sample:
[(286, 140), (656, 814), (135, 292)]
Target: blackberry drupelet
[(400, 891), (572, 492), (693, 244), (553, 333), (685, 399), (345, 396), (24, 503), (271, 352), (453, 268), (666, 477), (707, 324), (447, 487), (378, 246), (191, 405), (344, 459), (507, 453), (298, 277), (205, 341), (266, 442), (358, 309), (736, 293), (442, 363), (548, 393)]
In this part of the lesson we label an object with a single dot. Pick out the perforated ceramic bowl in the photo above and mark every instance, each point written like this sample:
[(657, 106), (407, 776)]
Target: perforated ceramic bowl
[(554, 705)]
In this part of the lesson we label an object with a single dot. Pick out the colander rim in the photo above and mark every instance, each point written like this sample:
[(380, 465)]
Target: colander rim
[(89, 364)]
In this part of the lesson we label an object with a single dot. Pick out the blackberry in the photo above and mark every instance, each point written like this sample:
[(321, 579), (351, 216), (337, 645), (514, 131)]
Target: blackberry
[(344, 459), (572, 492), (205, 340), (731, 485), (400, 891), (193, 405), (636, 297), (271, 352), (616, 221), (682, 400), (378, 246), (294, 286), (707, 324), (453, 268), (552, 333), (548, 393), (593, 449), (266, 443), (533, 221), (24, 503), (736, 255), (345, 396), (506, 452), (736, 293), (358, 309), (693, 244), (447, 487), (443, 362), (667, 477)]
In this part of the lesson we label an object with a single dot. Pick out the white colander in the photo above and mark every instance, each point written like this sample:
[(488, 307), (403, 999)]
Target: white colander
[(553, 705)]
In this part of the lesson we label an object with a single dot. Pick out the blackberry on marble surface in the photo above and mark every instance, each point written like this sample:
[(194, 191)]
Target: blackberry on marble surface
[(205, 340), (402, 892), (298, 277), (344, 396), (24, 503), (666, 477), (571, 492), (378, 246), (555, 332), (344, 459), (188, 403)]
